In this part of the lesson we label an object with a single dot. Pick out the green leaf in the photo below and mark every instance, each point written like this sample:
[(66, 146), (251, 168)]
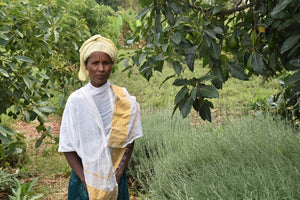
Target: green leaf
[(217, 9), (158, 26), (44, 75), (159, 57), (194, 93), (218, 30), (289, 43), (141, 59), (143, 12), (12, 66), (293, 79), (279, 7), (39, 113), (215, 50), (181, 82), (186, 107), (177, 67), (190, 58), (217, 83), (5, 130), (174, 7), (257, 63), (3, 72), (19, 33), (27, 116), (176, 37), (180, 95), (62, 101), (237, 71), (39, 141), (56, 36), (27, 81), (295, 62), (204, 112), (211, 33), (208, 91), (24, 59), (169, 15), (47, 109)]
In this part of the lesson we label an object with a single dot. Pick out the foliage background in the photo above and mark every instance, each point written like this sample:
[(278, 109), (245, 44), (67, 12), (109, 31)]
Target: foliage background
[(201, 49)]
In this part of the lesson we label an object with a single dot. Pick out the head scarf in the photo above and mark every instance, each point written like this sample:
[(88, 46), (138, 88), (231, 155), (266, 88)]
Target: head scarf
[(95, 43)]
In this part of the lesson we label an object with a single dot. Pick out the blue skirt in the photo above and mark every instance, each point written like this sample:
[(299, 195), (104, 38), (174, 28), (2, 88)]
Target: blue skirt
[(77, 191)]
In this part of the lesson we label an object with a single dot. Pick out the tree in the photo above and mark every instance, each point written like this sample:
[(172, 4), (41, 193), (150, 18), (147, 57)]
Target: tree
[(230, 38)]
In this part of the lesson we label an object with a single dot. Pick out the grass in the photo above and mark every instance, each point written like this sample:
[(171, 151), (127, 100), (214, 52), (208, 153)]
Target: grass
[(254, 158)]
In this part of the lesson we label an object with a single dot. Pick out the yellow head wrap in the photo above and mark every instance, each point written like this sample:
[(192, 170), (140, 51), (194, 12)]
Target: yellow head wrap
[(95, 43)]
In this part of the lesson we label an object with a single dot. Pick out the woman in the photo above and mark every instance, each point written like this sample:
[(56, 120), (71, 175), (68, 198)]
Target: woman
[(99, 125)]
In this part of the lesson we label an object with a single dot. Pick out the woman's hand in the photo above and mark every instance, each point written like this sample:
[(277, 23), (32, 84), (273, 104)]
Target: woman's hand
[(76, 165), (124, 161)]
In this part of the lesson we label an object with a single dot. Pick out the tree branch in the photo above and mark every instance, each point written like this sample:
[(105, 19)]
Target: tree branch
[(224, 12), (243, 7)]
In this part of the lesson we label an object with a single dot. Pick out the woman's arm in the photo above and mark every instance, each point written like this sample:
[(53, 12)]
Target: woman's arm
[(124, 161), (76, 164)]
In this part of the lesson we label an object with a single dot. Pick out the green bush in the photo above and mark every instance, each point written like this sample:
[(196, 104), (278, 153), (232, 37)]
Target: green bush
[(254, 158)]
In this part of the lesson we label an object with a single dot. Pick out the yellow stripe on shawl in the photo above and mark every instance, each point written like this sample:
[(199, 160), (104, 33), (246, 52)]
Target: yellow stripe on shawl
[(120, 119), (96, 194)]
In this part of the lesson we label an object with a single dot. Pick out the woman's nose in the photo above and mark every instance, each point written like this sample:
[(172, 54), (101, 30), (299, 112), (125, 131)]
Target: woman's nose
[(100, 67)]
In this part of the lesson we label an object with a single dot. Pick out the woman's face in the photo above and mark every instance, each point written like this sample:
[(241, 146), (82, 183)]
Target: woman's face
[(99, 66)]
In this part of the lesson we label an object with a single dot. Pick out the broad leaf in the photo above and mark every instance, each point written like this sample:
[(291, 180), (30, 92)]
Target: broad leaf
[(5, 130), (215, 50), (293, 79), (24, 59), (181, 82), (186, 107), (27, 81), (4, 72), (257, 63), (39, 141), (289, 43), (44, 75), (143, 12), (218, 30), (141, 59), (158, 26), (177, 67), (190, 58), (47, 109), (208, 91), (204, 112), (176, 37), (237, 71), (169, 15), (279, 7), (39, 113), (295, 62), (180, 95), (26, 116)]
